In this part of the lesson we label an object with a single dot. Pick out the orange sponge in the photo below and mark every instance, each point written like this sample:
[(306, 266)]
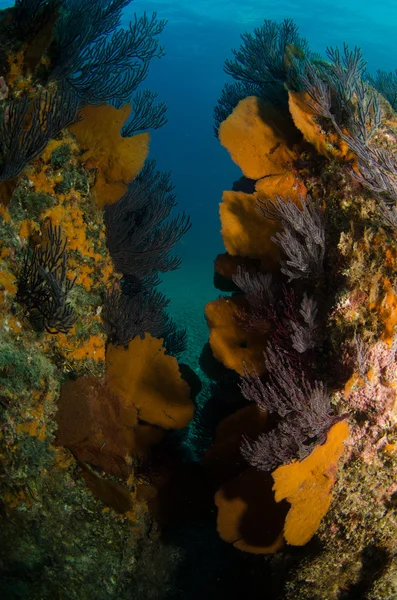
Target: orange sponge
[(307, 486), (255, 136), (230, 344), (329, 145), (118, 159), (144, 377)]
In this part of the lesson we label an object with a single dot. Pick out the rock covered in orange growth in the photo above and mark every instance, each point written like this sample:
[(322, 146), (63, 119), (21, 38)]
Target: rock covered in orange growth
[(230, 344), (255, 136), (144, 377), (118, 159), (307, 486)]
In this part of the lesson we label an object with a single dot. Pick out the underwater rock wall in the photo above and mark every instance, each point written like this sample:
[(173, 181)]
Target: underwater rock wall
[(310, 238), (84, 332)]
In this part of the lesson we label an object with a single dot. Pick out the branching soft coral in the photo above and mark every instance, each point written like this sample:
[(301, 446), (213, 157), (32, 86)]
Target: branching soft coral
[(304, 407), (27, 127), (302, 238), (43, 286)]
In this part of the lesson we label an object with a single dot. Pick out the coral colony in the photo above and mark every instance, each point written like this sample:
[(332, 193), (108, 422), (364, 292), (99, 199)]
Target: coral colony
[(301, 466), (310, 238)]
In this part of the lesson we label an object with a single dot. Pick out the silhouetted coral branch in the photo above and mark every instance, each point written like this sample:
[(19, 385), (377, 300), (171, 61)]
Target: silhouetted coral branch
[(26, 127), (386, 84), (43, 286), (96, 59), (232, 93), (303, 235), (260, 59), (145, 114), (32, 15), (175, 338), (125, 317), (139, 241)]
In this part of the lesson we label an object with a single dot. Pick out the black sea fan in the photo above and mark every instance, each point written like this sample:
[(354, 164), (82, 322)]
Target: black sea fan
[(43, 287), (127, 315), (138, 236), (145, 114), (386, 83), (261, 58), (95, 58), (26, 128)]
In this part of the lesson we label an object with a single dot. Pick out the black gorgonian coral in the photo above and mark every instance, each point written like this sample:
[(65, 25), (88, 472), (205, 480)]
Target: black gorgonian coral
[(231, 95), (386, 84), (27, 126), (127, 315), (274, 309), (138, 236), (303, 237), (304, 408), (140, 240), (261, 58), (95, 58), (43, 287), (263, 63), (145, 114)]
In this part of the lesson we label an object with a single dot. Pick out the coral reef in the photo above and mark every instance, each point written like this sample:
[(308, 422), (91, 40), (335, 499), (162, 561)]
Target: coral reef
[(310, 238), (78, 417)]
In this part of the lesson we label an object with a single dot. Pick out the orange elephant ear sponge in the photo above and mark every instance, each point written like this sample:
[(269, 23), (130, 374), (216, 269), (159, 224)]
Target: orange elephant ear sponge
[(230, 344), (118, 159), (255, 136), (145, 377), (244, 231), (90, 425), (248, 517), (307, 486), (329, 145)]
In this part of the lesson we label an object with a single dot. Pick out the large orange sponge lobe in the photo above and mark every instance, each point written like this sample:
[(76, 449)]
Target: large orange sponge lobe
[(255, 136), (143, 376), (118, 159), (307, 486)]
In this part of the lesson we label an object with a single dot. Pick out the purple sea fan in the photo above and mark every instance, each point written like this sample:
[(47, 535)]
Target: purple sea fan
[(304, 407), (303, 237)]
